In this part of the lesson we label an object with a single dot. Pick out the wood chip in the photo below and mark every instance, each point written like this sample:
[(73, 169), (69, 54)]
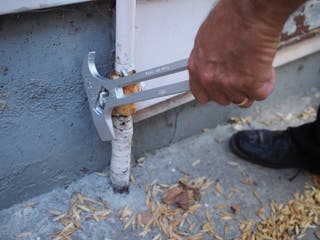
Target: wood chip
[(260, 212), (198, 236), (267, 122), (219, 139), (233, 164), (84, 208), (221, 206), (249, 181), (57, 218), (24, 234), (217, 187), (54, 212), (237, 127), (288, 220), (225, 229), (124, 214), (255, 194), (225, 216), (132, 178), (140, 160), (101, 174), (132, 220), (196, 162), (170, 216), (71, 220), (308, 113), (286, 118), (30, 204), (240, 120)]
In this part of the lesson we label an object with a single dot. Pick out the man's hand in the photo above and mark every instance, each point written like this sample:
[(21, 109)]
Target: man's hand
[(234, 49)]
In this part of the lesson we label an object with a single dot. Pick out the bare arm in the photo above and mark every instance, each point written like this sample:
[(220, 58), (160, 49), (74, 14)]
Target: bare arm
[(234, 50)]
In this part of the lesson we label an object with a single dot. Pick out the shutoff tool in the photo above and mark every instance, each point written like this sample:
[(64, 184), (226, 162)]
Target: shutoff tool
[(104, 94)]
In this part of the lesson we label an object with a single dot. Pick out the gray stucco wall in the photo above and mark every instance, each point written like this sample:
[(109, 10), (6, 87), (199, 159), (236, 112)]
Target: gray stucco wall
[(46, 134)]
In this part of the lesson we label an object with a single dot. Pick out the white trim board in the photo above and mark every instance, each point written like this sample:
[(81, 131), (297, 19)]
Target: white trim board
[(283, 56), (16, 6)]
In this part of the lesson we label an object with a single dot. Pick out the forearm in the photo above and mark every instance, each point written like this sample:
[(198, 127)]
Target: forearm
[(273, 12)]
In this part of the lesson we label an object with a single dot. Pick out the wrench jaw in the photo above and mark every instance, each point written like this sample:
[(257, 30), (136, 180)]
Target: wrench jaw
[(97, 93)]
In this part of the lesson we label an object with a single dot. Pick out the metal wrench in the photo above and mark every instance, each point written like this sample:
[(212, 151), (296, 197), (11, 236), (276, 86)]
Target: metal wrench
[(104, 94)]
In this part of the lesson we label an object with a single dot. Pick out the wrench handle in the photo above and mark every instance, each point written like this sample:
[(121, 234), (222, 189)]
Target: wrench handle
[(152, 73), (157, 92)]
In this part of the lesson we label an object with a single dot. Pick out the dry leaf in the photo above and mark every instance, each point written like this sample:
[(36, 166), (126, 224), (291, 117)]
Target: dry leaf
[(169, 196), (146, 216), (185, 193), (236, 208)]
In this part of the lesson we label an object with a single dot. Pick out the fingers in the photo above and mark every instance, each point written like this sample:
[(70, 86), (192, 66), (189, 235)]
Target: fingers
[(266, 88), (208, 84), (205, 88), (202, 83), (198, 91), (196, 88)]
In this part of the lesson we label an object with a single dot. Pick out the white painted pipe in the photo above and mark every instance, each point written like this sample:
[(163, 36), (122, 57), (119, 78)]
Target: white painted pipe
[(124, 63), (125, 28)]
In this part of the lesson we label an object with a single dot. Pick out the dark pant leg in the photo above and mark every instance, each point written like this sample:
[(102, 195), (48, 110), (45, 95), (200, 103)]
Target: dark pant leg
[(307, 138)]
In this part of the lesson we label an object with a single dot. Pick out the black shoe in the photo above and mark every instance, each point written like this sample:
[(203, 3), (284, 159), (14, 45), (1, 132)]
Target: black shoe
[(274, 149)]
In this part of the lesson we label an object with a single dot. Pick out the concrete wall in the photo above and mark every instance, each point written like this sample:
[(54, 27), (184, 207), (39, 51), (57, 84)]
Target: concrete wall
[(46, 134), (47, 138)]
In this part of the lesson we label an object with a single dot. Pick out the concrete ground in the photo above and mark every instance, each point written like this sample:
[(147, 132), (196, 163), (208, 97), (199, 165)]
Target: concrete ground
[(206, 155)]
